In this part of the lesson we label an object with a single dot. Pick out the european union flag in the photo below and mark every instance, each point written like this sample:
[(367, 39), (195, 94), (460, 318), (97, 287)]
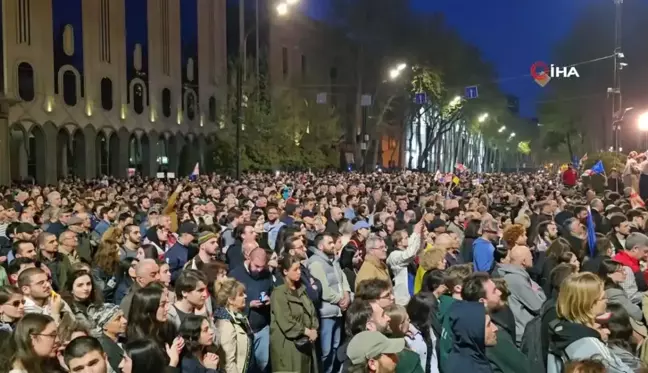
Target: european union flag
[(591, 233), (598, 168)]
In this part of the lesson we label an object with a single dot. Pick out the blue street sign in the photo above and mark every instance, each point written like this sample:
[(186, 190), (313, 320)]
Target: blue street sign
[(471, 92), (420, 98)]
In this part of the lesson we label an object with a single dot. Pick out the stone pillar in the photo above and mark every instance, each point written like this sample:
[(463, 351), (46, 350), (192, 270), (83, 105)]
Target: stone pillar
[(149, 158), (5, 146), (50, 166), (124, 147), (90, 138)]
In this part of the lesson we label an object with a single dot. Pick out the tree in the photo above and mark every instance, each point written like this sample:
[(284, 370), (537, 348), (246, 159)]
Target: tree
[(282, 131)]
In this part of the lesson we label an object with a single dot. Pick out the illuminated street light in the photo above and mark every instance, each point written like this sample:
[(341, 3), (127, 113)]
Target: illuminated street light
[(395, 71), (455, 101), (501, 129), (282, 9), (643, 122), (482, 118), (512, 135)]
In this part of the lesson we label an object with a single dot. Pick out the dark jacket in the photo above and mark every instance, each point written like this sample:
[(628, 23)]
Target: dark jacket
[(190, 364), (114, 353), (505, 357), (255, 284), (234, 255), (177, 256), (467, 322)]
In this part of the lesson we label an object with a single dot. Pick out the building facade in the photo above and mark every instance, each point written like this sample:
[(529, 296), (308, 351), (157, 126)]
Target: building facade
[(98, 87), (319, 62)]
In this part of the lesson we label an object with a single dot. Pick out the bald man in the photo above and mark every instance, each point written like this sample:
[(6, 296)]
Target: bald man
[(248, 247), (258, 284), (146, 272), (526, 297)]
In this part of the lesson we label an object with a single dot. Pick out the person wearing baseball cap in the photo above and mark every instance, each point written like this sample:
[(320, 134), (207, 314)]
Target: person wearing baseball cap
[(374, 352), (178, 255)]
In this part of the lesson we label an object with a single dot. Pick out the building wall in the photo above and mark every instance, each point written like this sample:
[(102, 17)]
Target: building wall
[(116, 84), (329, 63)]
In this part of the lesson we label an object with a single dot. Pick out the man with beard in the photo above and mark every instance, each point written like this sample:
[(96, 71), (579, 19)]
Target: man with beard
[(362, 315), (257, 279), (479, 287), (132, 241)]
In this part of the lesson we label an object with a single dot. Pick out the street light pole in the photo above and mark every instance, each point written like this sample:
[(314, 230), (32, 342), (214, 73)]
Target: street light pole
[(238, 119), (617, 104)]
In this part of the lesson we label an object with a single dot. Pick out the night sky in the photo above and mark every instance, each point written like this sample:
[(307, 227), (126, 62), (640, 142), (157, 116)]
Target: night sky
[(512, 34)]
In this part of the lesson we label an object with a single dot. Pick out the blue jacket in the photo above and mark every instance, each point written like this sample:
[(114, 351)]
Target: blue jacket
[(468, 354), (482, 255), (176, 257)]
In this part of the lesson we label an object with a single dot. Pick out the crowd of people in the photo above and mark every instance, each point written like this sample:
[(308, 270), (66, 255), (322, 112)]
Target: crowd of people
[(327, 273)]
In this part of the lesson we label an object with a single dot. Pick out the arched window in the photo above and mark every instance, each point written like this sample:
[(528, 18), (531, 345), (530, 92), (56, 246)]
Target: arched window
[(26, 82), (166, 102), (138, 100), (191, 107), (212, 109), (69, 88), (106, 94)]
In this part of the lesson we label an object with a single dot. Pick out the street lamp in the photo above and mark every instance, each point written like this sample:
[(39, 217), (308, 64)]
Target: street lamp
[(501, 129), (482, 118), (455, 101), (512, 135), (282, 9)]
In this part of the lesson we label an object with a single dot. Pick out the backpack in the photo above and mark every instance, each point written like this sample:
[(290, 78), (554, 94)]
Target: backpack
[(531, 345)]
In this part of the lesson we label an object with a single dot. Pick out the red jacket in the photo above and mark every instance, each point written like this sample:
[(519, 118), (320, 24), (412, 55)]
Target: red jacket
[(569, 177), (624, 258)]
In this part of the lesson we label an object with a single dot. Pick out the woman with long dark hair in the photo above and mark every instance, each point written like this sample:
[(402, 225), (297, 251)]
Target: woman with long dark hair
[(623, 341), (33, 346), (197, 355), (144, 355), (80, 294), (148, 317), (124, 278), (470, 235), (12, 307), (420, 308)]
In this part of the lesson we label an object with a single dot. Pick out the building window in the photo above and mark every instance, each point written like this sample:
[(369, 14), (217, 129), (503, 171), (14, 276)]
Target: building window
[(26, 82), (106, 94), (284, 62), (69, 88), (212, 109), (138, 100), (304, 69), (166, 102)]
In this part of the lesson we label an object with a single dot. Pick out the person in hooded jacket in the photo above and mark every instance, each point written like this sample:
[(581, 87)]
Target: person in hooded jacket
[(577, 334), (473, 331)]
